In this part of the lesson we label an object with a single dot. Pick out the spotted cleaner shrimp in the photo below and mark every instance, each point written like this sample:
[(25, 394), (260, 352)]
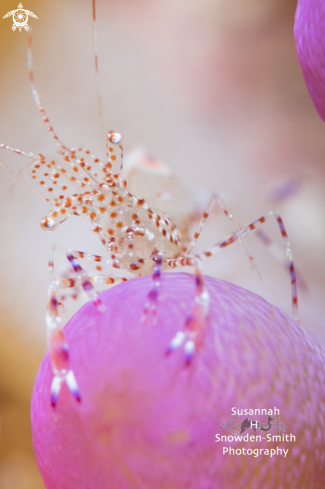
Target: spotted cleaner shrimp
[(138, 238)]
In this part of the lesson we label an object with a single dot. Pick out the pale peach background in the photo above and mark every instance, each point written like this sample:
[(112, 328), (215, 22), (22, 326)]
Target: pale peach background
[(211, 87)]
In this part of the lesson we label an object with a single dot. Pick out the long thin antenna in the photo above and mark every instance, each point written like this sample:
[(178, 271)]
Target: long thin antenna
[(16, 176), (37, 98), (99, 97)]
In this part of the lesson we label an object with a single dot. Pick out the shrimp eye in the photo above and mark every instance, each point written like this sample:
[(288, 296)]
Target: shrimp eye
[(48, 224), (114, 137)]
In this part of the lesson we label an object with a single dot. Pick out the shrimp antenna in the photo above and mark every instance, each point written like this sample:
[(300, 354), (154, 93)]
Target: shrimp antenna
[(41, 109), (99, 97)]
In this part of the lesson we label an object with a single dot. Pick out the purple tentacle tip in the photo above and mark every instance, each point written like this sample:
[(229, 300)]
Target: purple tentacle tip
[(144, 416), (189, 352), (77, 396), (54, 400)]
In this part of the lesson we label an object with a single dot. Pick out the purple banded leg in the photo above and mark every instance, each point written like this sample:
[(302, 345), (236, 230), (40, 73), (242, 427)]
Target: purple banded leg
[(85, 282), (288, 252), (180, 338), (152, 298), (214, 199), (187, 260), (58, 380), (58, 350), (276, 251), (192, 334)]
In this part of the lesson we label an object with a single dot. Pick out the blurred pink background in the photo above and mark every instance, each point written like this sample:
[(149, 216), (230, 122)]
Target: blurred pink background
[(213, 89)]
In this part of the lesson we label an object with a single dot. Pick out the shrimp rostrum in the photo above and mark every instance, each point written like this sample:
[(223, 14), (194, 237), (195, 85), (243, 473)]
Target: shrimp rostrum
[(137, 238)]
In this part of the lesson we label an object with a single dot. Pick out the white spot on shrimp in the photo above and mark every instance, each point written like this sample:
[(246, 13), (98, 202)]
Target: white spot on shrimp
[(150, 236)]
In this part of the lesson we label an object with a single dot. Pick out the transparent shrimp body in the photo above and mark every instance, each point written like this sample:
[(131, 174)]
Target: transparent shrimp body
[(129, 228), (137, 238)]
